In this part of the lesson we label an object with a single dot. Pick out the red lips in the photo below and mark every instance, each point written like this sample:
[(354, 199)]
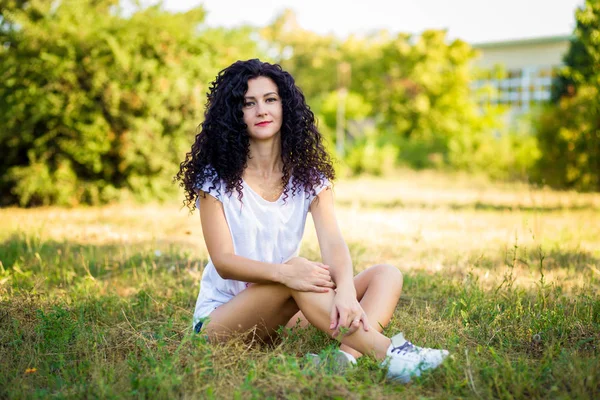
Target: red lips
[(265, 123)]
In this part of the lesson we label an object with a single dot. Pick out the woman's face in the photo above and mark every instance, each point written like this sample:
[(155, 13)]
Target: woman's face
[(263, 113)]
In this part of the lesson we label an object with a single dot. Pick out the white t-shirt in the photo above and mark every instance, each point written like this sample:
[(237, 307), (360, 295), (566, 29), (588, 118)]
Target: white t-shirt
[(261, 230)]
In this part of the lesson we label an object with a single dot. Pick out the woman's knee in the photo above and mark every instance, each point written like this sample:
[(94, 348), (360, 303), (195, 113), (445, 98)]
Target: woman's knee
[(390, 274)]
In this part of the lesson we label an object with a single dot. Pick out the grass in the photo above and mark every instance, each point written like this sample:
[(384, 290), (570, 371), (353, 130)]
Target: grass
[(97, 302)]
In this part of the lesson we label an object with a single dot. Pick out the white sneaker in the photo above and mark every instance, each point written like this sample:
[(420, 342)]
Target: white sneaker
[(405, 360), (336, 361)]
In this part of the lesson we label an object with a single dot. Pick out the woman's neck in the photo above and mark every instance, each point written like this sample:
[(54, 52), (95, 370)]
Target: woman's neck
[(265, 157)]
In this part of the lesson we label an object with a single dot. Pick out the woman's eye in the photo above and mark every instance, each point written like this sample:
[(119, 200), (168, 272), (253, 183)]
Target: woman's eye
[(248, 104), (271, 99)]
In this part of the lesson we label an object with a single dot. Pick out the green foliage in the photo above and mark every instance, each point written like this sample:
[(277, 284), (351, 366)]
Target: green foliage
[(569, 138), (582, 57), (310, 58), (414, 90), (366, 150), (423, 88), (569, 129), (509, 154), (96, 105), (372, 157), (357, 109)]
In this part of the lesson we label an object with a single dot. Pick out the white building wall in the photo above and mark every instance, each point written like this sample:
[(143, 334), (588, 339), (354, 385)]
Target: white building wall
[(520, 56)]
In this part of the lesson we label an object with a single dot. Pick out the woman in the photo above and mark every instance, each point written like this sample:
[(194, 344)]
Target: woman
[(257, 167)]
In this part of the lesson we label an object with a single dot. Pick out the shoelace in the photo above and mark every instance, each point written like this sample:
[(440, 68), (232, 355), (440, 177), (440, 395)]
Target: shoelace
[(407, 346)]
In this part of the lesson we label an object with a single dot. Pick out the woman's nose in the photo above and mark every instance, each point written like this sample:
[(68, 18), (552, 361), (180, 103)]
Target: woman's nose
[(260, 108)]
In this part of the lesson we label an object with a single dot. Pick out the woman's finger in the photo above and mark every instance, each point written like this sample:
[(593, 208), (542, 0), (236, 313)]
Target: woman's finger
[(333, 317), (324, 270), (318, 289), (326, 283), (354, 325), (365, 321), (343, 320)]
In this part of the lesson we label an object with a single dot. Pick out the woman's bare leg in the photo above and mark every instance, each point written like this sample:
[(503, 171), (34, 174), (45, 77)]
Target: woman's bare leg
[(317, 307), (265, 306), (378, 289)]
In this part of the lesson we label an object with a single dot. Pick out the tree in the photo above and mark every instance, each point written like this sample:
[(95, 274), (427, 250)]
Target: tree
[(95, 105), (569, 130), (417, 89), (581, 58)]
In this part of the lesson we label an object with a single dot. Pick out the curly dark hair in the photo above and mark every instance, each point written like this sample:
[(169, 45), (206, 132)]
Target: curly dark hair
[(222, 146)]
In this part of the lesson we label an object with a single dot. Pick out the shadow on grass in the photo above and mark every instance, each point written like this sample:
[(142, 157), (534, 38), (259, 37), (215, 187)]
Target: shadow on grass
[(65, 261), (573, 259), (478, 206), (577, 260), (531, 258)]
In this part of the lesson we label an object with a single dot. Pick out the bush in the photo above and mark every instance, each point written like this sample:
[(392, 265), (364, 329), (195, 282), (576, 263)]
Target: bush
[(569, 137), (370, 157), (95, 105), (414, 90), (569, 130), (510, 152)]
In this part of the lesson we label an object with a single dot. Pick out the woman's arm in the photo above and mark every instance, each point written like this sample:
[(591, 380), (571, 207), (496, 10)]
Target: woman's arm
[(334, 250), (298, 273), (347, 312)]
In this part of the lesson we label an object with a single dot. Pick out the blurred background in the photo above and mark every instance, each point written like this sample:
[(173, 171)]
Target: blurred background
[(100, 99)]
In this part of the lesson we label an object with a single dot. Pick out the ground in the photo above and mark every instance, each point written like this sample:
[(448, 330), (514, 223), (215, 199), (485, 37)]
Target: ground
[(97, 302)]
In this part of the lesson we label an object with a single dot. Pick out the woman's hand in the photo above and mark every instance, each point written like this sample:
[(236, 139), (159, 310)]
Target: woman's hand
[(306, 276), (347, 313)]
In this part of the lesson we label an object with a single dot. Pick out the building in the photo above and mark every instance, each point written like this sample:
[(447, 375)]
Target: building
[(527, 67)]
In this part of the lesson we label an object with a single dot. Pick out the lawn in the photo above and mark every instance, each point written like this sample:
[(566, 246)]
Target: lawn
[(97, 302)]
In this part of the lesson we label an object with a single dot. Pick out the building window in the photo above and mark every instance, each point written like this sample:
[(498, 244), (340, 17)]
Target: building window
[(517, 88)]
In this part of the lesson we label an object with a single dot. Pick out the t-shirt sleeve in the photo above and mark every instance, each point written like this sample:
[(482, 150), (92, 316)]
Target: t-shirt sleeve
[(325, 183), (212, 189)]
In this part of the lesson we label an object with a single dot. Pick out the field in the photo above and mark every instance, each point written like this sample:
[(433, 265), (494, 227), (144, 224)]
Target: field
[(97, 302)]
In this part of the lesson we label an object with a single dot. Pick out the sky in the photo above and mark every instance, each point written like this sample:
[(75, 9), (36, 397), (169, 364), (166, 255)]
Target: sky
[(474, 21)]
